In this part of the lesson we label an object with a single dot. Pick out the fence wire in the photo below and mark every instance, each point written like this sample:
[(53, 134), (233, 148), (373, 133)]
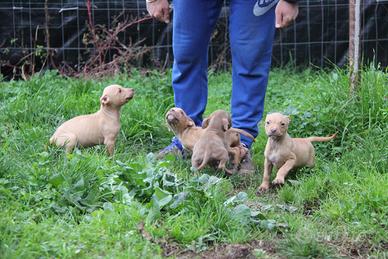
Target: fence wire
[(319, 37)]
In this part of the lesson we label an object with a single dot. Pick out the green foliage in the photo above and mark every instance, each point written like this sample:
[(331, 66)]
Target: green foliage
[(88, 205), (304, 248)]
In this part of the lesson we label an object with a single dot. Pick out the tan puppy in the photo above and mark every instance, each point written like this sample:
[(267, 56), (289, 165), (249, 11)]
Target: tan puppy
[(236, 149), (183, 127), (285, 152), (186, 131), (101, 127), (212, 145)]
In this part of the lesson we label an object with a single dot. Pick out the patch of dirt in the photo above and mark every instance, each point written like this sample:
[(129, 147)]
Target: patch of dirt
[(171, 249), (233, 251), (360, 249), (310, 207), (242, 182)]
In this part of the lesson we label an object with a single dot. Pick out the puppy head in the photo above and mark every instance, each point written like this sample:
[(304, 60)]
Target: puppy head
[(178, 121), (276, 125), (116, 96), (233, 138), (219, 119)]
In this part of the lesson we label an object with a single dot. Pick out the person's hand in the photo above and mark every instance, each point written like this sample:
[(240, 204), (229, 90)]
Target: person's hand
[(285, 13), (160, 10)]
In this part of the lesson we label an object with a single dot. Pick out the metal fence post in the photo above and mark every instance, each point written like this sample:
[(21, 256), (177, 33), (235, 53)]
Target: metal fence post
[(354, 44)]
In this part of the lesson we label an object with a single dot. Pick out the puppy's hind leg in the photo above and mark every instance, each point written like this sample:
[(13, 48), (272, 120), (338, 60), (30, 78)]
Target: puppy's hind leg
[(222, 166), (69, 141), (195, 163), (204, 161), (311, 161)]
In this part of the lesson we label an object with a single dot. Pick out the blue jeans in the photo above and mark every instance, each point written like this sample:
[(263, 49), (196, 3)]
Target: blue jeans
[(251, 39)]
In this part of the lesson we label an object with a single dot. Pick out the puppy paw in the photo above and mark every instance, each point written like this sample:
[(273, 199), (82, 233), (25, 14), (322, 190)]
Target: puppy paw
[(243, 151), (263, 188), (228, 172), (278, 181), (193, 169)]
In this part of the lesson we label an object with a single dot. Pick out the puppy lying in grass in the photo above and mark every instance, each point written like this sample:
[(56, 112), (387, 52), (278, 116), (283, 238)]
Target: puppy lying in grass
[(185, 130), (285, 152), (101, 127)]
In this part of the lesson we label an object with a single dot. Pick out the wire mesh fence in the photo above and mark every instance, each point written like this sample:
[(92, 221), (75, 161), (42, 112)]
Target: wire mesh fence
[(36, 28)]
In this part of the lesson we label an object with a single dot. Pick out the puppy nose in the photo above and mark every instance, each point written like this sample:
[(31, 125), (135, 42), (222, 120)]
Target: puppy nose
[(170, 117), (273, 130)]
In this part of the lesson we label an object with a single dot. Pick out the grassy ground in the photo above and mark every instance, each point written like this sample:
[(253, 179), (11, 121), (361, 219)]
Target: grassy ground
[(87, 205)]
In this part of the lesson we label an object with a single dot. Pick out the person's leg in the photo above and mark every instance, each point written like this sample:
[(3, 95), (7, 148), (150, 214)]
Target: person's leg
[(193, 23), (251, 40)]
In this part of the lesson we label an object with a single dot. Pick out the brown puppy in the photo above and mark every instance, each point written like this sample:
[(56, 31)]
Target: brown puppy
[(101, 127), (186, 131), (212, 145), (183, 127), (236, 149), (285, 152)]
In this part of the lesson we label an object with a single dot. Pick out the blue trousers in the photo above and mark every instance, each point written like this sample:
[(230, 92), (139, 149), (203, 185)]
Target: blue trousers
[(251, 39)]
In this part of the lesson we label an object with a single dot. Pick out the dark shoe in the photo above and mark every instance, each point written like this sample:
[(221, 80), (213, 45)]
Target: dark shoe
[(246, 166), (174, 148)]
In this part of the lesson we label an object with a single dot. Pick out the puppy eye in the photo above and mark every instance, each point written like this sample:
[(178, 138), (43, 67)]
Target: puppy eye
[(119, 90), (267, 122), (283, 124)]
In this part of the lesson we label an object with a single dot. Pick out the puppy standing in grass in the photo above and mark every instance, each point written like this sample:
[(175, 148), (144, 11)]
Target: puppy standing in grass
[(101, 127), (213, 146), (285, 152)]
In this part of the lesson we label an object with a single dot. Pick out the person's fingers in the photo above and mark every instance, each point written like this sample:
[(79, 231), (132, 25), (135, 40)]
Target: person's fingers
[(286, 21), (279, 19), (149, 10), (159, 10), (166, 15), (296, 14), (158, 15)]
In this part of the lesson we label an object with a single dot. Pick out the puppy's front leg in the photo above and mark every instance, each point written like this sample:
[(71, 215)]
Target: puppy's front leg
[(110, 145), (283, 171), (235, 152), (266, 176)]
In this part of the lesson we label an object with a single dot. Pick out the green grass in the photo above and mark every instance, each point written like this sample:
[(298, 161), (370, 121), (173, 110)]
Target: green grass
[(88, 205)]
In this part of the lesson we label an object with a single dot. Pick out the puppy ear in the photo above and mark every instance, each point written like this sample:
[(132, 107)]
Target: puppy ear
[(205, 123), (289, 119), (104, 100), (225, 124)]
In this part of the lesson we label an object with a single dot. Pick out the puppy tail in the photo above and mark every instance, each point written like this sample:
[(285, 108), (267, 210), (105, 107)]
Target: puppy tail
[(321, 139), (204, 161), (243, 132)]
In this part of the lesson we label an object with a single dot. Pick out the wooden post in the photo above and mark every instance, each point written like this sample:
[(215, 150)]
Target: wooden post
[(354, 44)]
